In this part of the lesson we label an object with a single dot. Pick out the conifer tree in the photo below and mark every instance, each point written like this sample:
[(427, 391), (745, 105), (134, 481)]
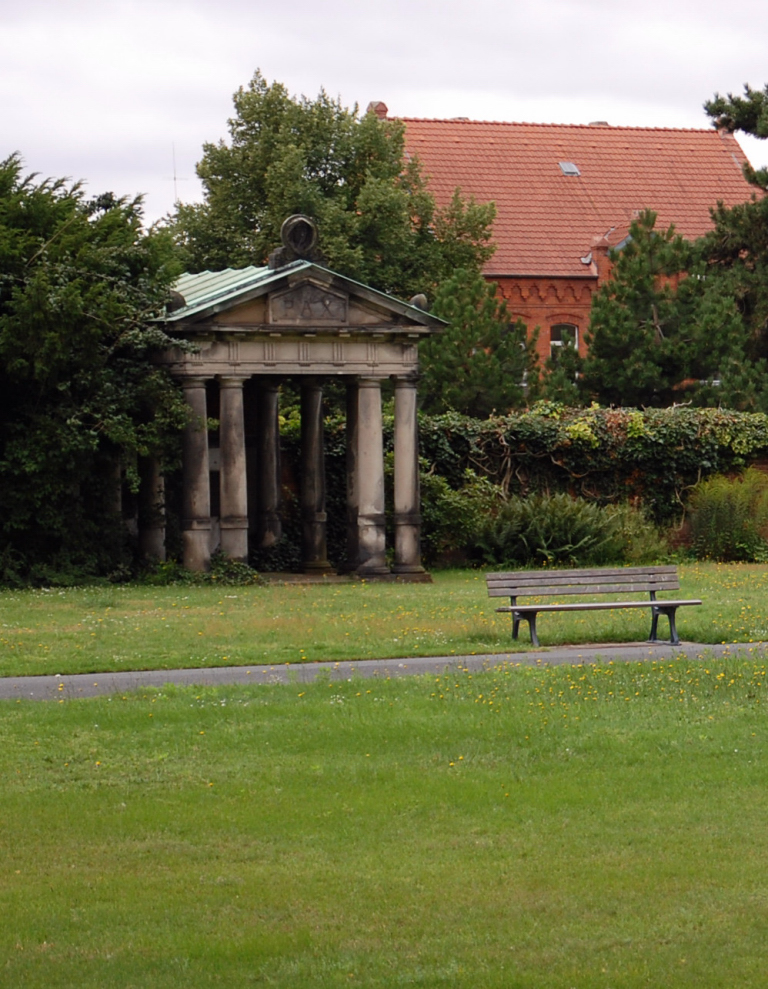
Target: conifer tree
[(480, 364), (661, 329), (737, 248)]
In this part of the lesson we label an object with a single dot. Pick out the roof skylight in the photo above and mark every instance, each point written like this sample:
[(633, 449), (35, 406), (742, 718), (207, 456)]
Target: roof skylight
[(568, 168)]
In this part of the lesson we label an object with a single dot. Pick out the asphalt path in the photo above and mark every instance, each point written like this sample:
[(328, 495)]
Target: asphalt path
[(46, 688)]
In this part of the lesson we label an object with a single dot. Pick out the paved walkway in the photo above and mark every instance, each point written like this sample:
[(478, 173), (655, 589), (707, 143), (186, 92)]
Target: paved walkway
[(41, 688)]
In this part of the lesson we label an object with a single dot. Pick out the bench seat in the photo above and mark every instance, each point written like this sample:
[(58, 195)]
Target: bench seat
[(551, 583)]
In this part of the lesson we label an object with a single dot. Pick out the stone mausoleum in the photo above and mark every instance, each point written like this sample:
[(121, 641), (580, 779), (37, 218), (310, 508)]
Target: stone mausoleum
[(251, 329)]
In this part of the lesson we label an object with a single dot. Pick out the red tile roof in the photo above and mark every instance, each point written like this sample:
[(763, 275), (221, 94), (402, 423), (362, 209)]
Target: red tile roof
[(546, 221)]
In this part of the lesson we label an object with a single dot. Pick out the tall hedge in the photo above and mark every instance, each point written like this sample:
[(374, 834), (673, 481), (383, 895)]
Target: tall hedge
[(653, 456)]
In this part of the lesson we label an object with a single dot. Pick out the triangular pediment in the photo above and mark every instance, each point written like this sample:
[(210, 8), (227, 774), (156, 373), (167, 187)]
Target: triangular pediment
[(302, 295), (308, 304)]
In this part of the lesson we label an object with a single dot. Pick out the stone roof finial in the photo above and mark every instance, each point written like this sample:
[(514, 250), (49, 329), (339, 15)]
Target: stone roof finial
[(299, 236)]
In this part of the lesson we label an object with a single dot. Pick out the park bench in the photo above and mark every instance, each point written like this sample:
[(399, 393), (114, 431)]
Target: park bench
[(558, 583)]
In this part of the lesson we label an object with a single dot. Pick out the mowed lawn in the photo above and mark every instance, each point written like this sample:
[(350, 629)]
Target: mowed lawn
[(127, 627), (598, 827)]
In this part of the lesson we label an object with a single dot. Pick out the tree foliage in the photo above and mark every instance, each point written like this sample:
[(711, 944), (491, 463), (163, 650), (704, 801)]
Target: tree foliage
[(662, 328), (377, 221), (737, 247), (747, 113), (79, 280), (479, 364)]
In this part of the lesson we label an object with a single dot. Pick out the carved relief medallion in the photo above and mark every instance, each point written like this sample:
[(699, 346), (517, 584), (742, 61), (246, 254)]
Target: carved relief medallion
[(309, 304)]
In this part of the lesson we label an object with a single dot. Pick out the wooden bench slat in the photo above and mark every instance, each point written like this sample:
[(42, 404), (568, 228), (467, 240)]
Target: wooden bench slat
[(604, 571), (548, 589), (601, 581), (595, 606), (555, 579)]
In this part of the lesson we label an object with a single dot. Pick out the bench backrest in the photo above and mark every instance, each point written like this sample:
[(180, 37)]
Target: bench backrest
[(543, 583)]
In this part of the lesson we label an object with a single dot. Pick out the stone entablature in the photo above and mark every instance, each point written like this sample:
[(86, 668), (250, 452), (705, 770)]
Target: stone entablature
[(291, 354), (309, 324)]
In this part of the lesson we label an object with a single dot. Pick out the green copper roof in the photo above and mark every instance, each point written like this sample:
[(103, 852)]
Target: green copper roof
[(205, 287), (208, 292)]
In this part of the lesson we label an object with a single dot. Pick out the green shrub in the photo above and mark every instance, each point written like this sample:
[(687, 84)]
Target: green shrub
[(453, 520), (223, 571), (559, 530), (636, 539), (729, 518)]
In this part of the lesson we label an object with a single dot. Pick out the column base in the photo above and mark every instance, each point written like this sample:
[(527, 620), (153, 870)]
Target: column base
[(152, 543), (196, 548), (318, 568), (234, 544), (372, 571), (269, 529)]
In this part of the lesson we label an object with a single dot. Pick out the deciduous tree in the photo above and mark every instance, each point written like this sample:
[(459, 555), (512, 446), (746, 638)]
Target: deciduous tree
[(378, 223)]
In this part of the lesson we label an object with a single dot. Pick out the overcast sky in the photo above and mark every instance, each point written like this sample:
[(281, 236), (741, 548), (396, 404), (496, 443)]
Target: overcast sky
[(107, 90)]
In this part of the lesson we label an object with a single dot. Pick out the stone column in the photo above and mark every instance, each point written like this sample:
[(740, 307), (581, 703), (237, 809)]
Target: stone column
[(269, 526), (313, 517), (196, 495), (353, 493), (151, 510), (233, 488), (115, 495), (407, 503), (370, 480)]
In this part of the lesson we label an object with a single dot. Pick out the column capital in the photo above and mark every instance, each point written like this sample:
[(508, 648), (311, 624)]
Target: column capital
[(232, 380), (369, 382), (195, 381)]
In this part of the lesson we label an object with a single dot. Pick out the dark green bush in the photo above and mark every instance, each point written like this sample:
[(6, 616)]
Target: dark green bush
[(729, 518), (453, 520), (559, 530), (223, 571)]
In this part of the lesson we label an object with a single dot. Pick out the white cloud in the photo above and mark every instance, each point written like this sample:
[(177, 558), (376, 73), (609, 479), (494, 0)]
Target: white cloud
[(103, 91)]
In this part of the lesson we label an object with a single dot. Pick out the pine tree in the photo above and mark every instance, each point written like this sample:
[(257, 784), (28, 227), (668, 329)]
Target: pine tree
[(737, 248), (481, 362), (661, 329)]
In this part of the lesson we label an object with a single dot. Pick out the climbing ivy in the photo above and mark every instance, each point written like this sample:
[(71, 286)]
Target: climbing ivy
[(653, 456)]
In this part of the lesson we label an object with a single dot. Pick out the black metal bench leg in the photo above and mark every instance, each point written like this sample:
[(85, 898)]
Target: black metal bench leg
[(654, 637), (674, 638), (515, 626), (532, 626)]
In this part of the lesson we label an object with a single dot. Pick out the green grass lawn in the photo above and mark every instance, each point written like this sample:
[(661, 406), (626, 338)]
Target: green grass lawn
[(126, 627), (526, 828)]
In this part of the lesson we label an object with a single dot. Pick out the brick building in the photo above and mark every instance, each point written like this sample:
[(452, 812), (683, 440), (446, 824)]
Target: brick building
[(565, 194)]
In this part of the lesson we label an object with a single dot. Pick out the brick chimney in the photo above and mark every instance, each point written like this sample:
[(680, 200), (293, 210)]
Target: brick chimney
[(379, 108)]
